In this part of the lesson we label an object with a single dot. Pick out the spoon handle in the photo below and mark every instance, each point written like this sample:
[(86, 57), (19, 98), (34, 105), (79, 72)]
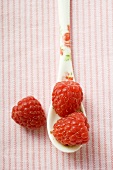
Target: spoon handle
[(65, 64)]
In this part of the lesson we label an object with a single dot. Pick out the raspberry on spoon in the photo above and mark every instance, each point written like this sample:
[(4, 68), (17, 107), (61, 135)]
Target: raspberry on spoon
[(72, 130), (66, 97)]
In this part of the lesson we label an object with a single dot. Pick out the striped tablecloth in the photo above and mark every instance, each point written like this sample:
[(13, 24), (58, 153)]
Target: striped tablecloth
[(29, 58)]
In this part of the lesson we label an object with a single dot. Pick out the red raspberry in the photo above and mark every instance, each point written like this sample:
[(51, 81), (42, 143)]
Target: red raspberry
[(66, 97), (72, 129), (29, 113)]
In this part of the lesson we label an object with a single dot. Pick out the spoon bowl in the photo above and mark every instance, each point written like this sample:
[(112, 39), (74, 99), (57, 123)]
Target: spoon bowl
[(52, 119)]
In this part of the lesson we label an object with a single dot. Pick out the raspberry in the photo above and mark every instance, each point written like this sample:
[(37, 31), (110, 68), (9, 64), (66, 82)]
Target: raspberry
[(29, 113), (72, 129), (66, 97)]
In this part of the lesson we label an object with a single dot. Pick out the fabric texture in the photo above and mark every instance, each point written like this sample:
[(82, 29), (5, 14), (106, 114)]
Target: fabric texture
[(29, 58)]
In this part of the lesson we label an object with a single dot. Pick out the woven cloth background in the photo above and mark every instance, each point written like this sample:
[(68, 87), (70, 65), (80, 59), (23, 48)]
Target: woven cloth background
[(29, 58)]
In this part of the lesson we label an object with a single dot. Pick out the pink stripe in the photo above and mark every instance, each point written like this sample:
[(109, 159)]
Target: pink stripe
[(20, 83), (27, 150), (84, 58), (102, 54), (43, 79), (9, 134), (78, 62), (54, 31), (38, 87), (78, 76), (49, 77), (31, 47), (75, 163), (26, 72), (32, 87), (62, 161), (20, 62), (57, 159), (72, 51), (3, 104), (111, 99), (91, 86), (25, 29), (69, 161), (71, 32), (109, 89), (81, 159), (15, 140), (97, 86)]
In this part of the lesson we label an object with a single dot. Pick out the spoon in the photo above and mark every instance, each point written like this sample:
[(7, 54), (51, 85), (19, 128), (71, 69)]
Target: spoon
[(65, 71)]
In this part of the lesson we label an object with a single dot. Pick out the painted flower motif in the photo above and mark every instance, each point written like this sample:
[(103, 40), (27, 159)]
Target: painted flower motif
[(61, 51), (68, 28), (67, 76), (66, 39), (67, 57)]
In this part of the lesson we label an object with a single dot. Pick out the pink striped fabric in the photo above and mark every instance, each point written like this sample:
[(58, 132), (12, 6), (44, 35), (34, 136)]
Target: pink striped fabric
[(29, 57)]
